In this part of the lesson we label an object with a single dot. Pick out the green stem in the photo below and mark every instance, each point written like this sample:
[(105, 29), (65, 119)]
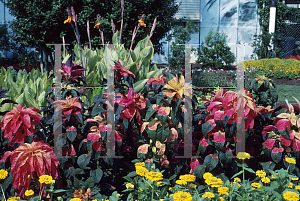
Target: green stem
[(3, 193), (42, 192), (152, 193)]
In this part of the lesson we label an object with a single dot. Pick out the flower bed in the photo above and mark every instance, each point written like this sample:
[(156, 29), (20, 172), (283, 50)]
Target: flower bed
[(132, 143)]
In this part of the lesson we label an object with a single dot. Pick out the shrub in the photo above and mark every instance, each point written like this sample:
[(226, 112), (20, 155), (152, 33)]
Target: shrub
[(263, 91), (215, 52), (275, 67)]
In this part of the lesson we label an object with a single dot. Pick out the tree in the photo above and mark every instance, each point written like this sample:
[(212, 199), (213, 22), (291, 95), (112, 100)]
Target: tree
[(42, 21), (215, 52), (182, 36)]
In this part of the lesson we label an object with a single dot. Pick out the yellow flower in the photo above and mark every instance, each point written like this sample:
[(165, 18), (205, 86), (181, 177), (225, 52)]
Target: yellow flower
[(290, 160), (3, 174), (272, 177), (223, 191), (208, 195), (68, 20), (214, 182), (158, 183), (297, 187), (237, 179), (294, 178), (182, 196), (142, 23), (188, 178), (193, 185), (207, 175), (290, 185), (291, 196), (140, 164), (239, 185), (154, 176), (13, 199), (141, 170), (141, 189), (256, 185), (243, 155), (29, 192), (221, 199), (97, 25), (170, 188), (129, 185), (45, 179), (180, 182), (261, 173), (118, 195), (265, 180), (75, 199)]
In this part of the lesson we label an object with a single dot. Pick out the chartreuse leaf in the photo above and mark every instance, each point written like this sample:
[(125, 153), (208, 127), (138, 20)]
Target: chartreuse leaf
[(139, 86)]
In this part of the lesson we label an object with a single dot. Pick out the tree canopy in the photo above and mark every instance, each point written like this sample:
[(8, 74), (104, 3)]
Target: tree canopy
[(42, 21)]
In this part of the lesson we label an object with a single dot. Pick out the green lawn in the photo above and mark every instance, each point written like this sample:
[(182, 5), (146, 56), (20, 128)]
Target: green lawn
[(287, 92)]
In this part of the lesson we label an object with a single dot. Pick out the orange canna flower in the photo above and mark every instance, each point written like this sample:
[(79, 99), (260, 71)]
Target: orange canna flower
[(142, 23), (68, 20), (97, 25)]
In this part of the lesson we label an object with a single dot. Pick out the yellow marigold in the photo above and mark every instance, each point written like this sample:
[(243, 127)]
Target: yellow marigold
[(207, 175), (129, 185), (214, 182), (239, 185), (188, 178), (294, 178), (13, 199), (265, 180), (223, 191), (118, 195), (261, 173), (221, 199), (290, 160), (141, 170), (154, 176), (3, 174), (236, 179), (140, 164), (243, 155), (180, 182), (75, 199), (29, 192), (290, 185), (256, 185), (182, 196), (297, 187), (208, 195), (291, 196), (170, 188), (45, 179)]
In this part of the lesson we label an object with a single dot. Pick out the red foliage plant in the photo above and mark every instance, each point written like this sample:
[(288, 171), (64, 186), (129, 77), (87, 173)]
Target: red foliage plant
[(36, 157), (20, 121)]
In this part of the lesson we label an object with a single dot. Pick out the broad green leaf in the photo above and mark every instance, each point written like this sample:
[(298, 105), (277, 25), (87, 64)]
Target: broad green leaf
[(140, 85)]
